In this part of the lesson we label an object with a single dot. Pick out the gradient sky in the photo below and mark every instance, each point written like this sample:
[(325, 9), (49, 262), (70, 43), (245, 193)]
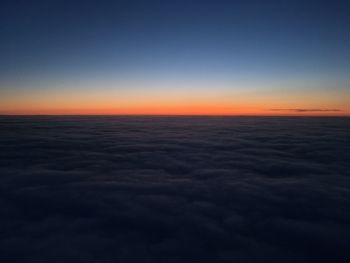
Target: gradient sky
[(175, 57)]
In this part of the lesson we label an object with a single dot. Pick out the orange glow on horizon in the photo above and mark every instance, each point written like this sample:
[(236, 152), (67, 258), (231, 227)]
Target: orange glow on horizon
[(175, 102), (174, 110)]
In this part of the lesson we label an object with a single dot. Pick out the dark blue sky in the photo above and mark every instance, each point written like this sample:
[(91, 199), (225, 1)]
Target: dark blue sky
[(48, 34), (51, 41)]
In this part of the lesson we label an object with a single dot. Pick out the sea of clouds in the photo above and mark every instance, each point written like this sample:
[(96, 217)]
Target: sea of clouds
[(174, 189)]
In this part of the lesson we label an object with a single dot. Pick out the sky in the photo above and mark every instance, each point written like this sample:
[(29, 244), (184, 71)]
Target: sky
[(175, 57)]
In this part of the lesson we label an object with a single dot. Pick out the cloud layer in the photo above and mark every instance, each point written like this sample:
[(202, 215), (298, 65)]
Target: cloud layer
[(190, 189)]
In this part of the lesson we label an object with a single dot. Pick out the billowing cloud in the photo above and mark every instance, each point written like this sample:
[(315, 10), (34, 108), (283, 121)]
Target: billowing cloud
[(186, 189)]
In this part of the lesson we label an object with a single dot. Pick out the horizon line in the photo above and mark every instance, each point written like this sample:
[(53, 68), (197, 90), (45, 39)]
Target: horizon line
[(173, 115)]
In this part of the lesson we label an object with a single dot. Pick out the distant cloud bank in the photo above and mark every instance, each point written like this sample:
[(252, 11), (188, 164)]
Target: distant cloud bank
[(308, 110)]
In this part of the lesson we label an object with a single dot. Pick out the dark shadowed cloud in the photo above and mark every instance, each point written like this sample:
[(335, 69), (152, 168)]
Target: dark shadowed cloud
[(307, 110), (190, 189)]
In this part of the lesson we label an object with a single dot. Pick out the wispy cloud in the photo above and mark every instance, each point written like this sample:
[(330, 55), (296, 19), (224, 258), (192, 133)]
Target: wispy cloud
[(307, 110)]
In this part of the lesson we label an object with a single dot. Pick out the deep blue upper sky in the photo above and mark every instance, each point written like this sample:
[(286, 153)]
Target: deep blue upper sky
[(175, 35)]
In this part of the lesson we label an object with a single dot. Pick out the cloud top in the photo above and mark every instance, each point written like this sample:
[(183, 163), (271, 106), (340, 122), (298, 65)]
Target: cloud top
[(174, 189)]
